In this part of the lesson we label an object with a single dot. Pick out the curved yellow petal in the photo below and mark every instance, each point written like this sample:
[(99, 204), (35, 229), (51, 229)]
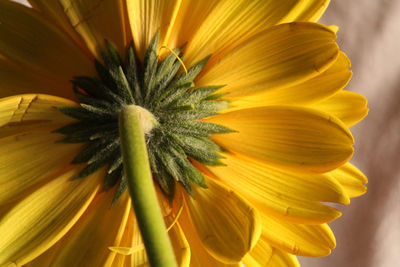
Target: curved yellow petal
[(293, 138), (264, 255), (41, 219), (28, 159), (100, 227), (124, 249), (351, 178), (31, 113), (147, 17), (282, 56), (47, 257), (288, 196), (251, 177), (311, 10), (54, 11), (131, 248), (14, 80), (283, 259), (199, 256), (333, 28), (226, 25), (298, 239), (139, 257), (181, 245), (97, 21), (313, 90), (348, 106), (39, 46), (226, 224), (185, 24)]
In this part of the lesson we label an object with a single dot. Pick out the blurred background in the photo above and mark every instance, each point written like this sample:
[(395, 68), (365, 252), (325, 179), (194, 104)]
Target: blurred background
[(368, 233)]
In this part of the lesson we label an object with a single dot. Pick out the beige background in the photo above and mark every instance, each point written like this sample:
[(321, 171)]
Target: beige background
[(368, 234)]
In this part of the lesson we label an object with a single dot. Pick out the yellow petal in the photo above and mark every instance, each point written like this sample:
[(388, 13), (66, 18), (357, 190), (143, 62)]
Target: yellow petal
[(352, 179), (333, 28), (100, 227), (199, 256), (225, 24), (185, 24), (227, 225), (47, 257), (263, 255), (131, 248), (311, 10), (42, 218), (125, 246), (179, 243), (28, 159), (40, 46), (97, 21), (288, 196), (31, 113), (139, 257), (147, 17), (26, 122), (295, 138), (348, 106), (281, 56), (316, 89), (298, 239), (15, 80), (53, 10), (283, 259)]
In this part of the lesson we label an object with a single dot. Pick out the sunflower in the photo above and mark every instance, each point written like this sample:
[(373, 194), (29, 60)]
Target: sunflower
[(245, 145)]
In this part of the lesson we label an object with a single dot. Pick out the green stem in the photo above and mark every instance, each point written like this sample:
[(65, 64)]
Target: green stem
[(141, 188)]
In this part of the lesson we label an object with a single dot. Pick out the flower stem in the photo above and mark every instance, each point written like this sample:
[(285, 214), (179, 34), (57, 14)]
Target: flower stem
[(141, 188)]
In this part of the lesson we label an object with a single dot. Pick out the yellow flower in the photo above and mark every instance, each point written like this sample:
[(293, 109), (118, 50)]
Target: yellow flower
[(283, 76)]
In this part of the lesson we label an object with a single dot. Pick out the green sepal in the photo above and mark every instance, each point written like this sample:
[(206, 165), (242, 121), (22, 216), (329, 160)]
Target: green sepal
[(197, 128), (86, 131), (188, 171), (122, 186), (215, 105), (201, 149), (187, 115), (150, 65), (178, 109), (104, 73), (164, 83), (83, 114), (97, 165), (117, 162), (105, 151), (164, 179), (197, 95), (101, 111), (165, 66), (114, 56), (132, 74), (97, 89), (191, 75), (91, 149), (173, 94), (112, 178), (215, 96), (86, 99)]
